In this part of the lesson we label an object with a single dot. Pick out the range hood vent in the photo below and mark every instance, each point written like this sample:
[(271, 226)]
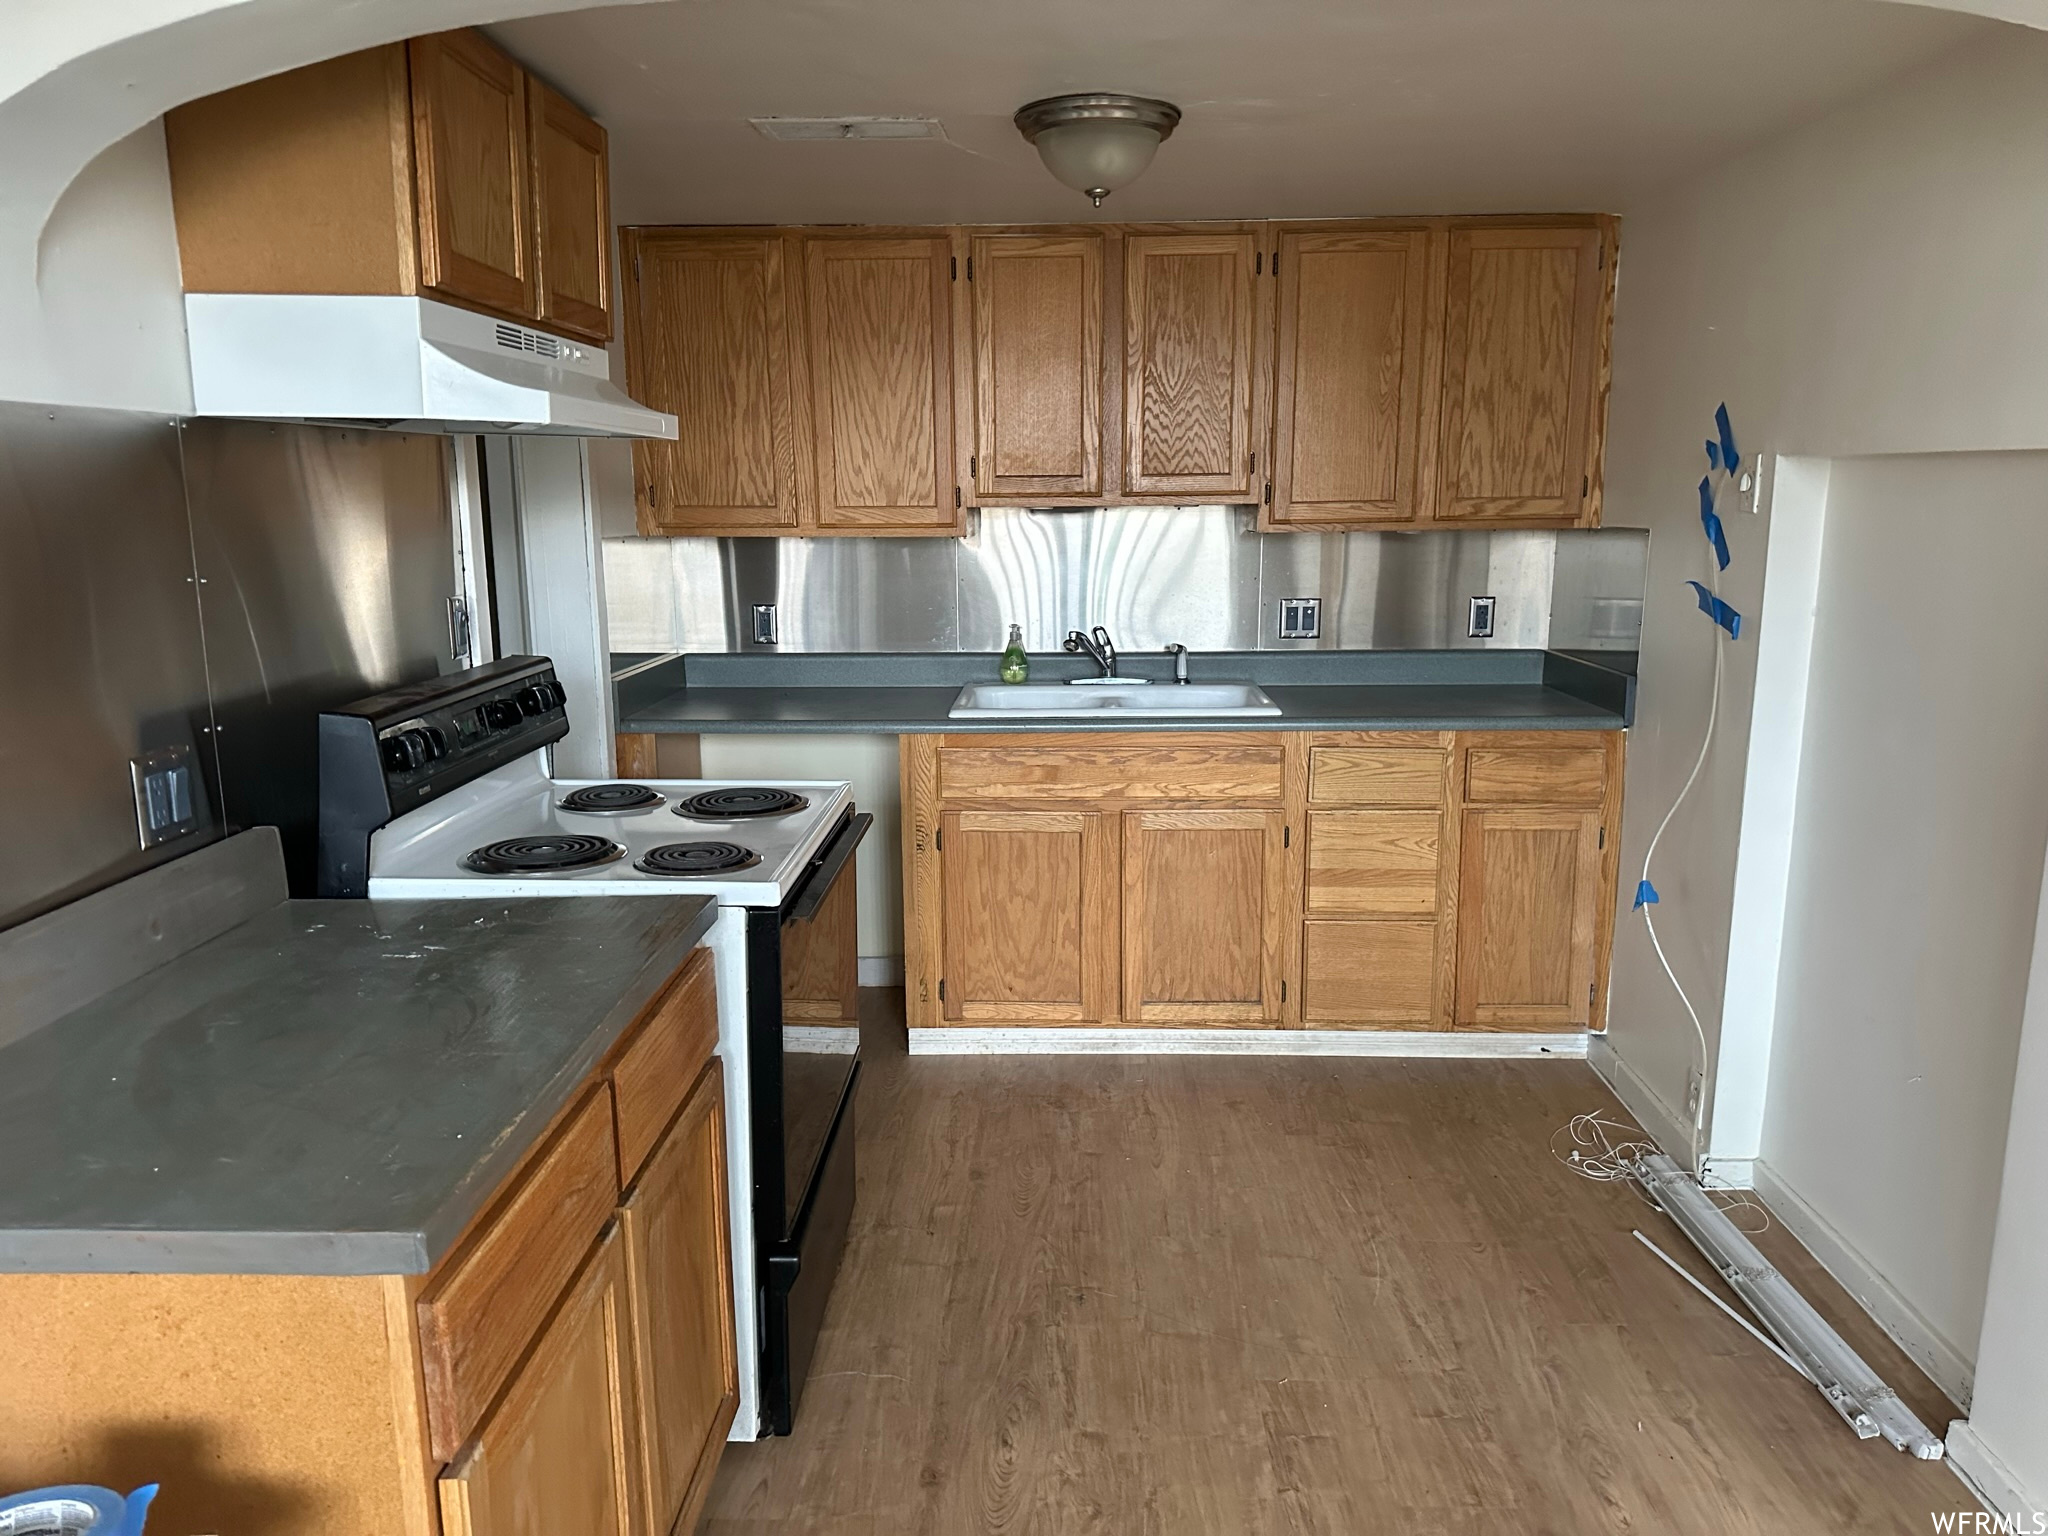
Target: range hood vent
[(408, 364)]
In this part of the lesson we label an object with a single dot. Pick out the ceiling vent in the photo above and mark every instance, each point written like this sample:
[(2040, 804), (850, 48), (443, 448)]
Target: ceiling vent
[(793, 128)]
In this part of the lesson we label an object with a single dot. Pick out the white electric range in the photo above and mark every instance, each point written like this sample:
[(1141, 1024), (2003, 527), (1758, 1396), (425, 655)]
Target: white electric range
[(440, 791)]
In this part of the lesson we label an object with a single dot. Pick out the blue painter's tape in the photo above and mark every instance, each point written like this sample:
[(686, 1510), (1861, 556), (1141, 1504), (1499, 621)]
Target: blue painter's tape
[(1713, 454), (1729, 457), (1716, 536), (111, 1514), (1718, 611), (1646, 895)]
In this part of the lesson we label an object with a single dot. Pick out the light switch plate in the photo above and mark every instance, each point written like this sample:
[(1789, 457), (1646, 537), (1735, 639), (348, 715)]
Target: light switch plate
[(764, 624), (166, 794), (1301, 618)]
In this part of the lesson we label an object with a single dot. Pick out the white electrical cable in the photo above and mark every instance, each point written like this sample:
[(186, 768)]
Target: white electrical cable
[(1699, 1109)]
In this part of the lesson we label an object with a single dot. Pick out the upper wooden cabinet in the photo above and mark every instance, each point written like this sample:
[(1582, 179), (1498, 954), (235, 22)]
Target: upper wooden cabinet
[(1523, 348), (572, 213), (711, 336), (1189, 387), (881, 334), (1038, 316), (1349, 390), (435, 167)]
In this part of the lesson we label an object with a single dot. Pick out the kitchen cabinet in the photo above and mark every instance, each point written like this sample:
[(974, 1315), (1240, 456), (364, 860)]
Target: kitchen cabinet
[(1410, 880), (711, 336), (1190, 395), (1349, 391), (1038, 324), (1204, 916), (1030, 919), (572, 217), (557, 1452), (1524, 344), (881, 332), (435, 167), (1536, 883), (1076, 878), (674, 1229)]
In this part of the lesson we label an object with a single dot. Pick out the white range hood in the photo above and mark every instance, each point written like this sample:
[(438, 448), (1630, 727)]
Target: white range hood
[(409, 364)]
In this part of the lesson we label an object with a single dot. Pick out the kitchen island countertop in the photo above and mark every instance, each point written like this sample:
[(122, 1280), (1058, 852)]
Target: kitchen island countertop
[(331, 1087)]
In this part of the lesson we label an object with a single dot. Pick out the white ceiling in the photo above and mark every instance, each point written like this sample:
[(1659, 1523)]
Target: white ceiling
[(1293, 107)]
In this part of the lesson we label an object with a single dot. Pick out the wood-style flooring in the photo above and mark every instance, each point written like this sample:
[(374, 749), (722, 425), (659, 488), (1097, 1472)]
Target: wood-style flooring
[(1154, 1296)]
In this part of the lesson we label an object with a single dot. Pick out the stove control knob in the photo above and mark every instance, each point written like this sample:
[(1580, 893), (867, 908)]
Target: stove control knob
[(437, 742), (406, 752), (501, 714), (534, 700)]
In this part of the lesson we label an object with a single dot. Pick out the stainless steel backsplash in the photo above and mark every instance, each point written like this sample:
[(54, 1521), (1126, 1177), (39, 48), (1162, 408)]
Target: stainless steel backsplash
[(1202, 576), (325, 556)]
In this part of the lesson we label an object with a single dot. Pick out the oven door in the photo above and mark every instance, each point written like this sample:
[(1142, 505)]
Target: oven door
[(803, 1030)]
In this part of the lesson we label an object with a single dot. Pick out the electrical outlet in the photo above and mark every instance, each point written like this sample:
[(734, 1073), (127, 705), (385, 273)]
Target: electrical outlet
[(1694, 1086), (1301, 618), (1479, 619), (166, 799)]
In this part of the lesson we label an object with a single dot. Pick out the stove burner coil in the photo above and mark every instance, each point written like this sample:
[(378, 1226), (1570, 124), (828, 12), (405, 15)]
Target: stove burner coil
[(736, 802), (610, 797), (542, 855), (696, 859)]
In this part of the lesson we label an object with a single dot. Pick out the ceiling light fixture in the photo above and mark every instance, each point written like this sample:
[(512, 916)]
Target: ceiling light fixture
[(1098, 141)]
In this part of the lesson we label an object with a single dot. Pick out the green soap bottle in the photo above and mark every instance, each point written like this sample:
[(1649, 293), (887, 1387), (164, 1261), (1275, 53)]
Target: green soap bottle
[(1016, 666)]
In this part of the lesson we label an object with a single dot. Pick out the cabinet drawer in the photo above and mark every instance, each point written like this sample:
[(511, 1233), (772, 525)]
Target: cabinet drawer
[(478, 1316), (1373, 861), (661, 1059), (1368, 973), (1535, 775), (1375, 776), (1241, 773)]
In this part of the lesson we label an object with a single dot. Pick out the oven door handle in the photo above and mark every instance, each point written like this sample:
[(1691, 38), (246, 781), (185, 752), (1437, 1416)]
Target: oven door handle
[(825, 873)]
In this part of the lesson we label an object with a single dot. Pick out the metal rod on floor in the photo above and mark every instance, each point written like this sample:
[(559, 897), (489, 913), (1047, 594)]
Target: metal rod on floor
[(1848, 1384), (1736, 1317)]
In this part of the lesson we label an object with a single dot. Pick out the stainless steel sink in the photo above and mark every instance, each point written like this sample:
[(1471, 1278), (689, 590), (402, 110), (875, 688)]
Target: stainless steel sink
[(1024, 701)]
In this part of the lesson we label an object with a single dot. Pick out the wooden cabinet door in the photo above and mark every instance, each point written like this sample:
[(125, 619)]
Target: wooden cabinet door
[(572, 217), (1037, 365), (557, 1452), (1188, 366), (1348, 386), (708, 338), (1029, 917), (1521, 345), (677, 1231), (881, 365), (469, 147), (1529, 898), (1204, 895)]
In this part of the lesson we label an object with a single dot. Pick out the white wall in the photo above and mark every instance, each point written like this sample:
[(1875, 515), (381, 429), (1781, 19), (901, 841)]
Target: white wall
[(1872, 283), (870, 763), (1920, 830)]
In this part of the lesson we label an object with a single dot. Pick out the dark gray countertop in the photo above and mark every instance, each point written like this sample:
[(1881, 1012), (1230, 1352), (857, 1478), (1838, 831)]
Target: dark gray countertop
[(333, 1087), (1316, 690)]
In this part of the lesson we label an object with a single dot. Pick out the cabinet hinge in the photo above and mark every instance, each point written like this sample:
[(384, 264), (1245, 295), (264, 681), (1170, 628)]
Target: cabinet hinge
[(970, 269), (1603, 838), (1252, 463), (956, 496), (939, 841), (1585, 486), (1283, 989), (942, 989), (1592, 992), (955, 261), (1269, 493), (1259, 264), (636, 266), (973, 466), (1287, 837)]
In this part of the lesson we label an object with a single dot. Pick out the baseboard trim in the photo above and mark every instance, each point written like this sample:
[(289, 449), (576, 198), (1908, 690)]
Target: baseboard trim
[(1660, 1122), (1058, 1041), (1989, 1480), (881, 970), (1945, 1365)]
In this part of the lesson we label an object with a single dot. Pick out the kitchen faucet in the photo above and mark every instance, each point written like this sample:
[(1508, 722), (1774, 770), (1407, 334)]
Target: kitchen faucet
[(1099, 649)]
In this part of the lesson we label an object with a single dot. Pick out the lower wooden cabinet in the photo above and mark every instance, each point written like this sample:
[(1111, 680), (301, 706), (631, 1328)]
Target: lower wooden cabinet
[(1314, 880), (557, 1452), (1531, 898), (679, 1273), (1205, 919)]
